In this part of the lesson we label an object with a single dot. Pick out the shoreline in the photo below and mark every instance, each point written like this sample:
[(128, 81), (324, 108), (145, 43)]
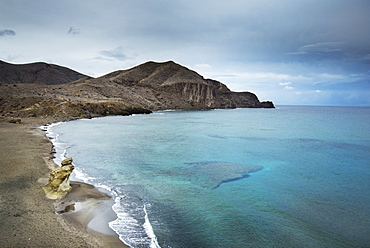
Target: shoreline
[(86, 207), (28, 218)]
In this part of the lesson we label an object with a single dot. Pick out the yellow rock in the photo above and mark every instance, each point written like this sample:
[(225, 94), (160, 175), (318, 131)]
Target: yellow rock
[(58, 185)]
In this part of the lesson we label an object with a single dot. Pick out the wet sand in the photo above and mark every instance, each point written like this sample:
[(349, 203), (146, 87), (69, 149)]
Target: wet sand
[(27, 217)]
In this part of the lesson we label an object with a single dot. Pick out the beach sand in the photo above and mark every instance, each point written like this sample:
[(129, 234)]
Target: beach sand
[(27, 217)]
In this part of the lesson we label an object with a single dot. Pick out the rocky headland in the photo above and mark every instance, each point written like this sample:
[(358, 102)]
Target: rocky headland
[(58, 93)]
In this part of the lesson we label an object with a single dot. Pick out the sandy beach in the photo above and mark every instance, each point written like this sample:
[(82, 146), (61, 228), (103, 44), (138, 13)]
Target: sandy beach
[(27, 217)]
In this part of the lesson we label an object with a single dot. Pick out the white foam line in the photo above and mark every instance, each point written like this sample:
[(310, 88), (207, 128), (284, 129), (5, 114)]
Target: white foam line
[(149, 231)]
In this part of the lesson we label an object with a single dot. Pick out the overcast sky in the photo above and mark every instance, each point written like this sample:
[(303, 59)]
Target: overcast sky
[(288, 51)]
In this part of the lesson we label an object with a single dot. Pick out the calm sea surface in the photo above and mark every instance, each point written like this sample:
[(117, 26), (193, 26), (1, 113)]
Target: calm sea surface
[(174, 175)]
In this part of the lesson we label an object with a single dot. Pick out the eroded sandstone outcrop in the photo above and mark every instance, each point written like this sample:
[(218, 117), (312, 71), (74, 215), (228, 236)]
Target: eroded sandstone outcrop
[(58, 185)]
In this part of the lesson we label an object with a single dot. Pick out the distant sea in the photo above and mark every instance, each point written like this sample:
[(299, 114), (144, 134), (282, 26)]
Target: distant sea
[(174, 175)]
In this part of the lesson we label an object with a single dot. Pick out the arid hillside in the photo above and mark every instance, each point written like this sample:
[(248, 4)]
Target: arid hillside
[(37, 73), (51, 91)]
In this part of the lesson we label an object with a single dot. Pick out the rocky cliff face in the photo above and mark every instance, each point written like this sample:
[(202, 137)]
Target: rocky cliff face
[(170, 85), (43, 90)]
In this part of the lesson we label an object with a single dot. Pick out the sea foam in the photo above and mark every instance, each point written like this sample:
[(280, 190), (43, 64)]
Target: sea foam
[(132, 225)]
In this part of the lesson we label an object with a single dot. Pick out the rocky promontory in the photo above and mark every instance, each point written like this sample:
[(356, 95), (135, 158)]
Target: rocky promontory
[(58, 93)]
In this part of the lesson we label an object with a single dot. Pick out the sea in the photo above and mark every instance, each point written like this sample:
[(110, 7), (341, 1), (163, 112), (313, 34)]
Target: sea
[(293, 176)]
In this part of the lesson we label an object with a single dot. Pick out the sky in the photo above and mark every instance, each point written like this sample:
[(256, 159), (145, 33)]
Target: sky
[(295, 52)]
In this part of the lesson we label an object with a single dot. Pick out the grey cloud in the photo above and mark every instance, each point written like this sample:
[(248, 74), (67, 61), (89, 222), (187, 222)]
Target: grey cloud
[(7, 32), (337, 55), (73, 31), (114, 54), (330, 30), (322, 47)]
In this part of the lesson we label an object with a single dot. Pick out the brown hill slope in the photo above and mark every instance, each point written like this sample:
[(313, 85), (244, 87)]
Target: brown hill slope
[(37, 73), (170, 86), (146, 87)]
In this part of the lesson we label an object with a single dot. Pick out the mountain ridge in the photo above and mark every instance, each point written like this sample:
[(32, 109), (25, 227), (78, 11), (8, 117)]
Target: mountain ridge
[(37, 72), (62, 93)]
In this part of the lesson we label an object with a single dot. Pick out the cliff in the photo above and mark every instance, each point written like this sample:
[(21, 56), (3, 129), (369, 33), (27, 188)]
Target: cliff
[(43, 90), (170, 86)]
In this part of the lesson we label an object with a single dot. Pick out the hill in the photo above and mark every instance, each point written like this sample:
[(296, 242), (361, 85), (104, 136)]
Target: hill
[(58, 93), (37, 73)]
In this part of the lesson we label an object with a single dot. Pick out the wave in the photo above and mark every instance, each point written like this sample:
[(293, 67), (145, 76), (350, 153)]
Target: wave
[(149, 230), (132, 224), (60, 147)]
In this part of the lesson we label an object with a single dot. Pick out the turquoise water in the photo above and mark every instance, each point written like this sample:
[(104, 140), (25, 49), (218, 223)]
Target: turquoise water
[(175, 175)]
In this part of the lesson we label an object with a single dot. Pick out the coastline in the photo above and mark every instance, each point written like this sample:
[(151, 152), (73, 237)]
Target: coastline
[(27, 217)]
